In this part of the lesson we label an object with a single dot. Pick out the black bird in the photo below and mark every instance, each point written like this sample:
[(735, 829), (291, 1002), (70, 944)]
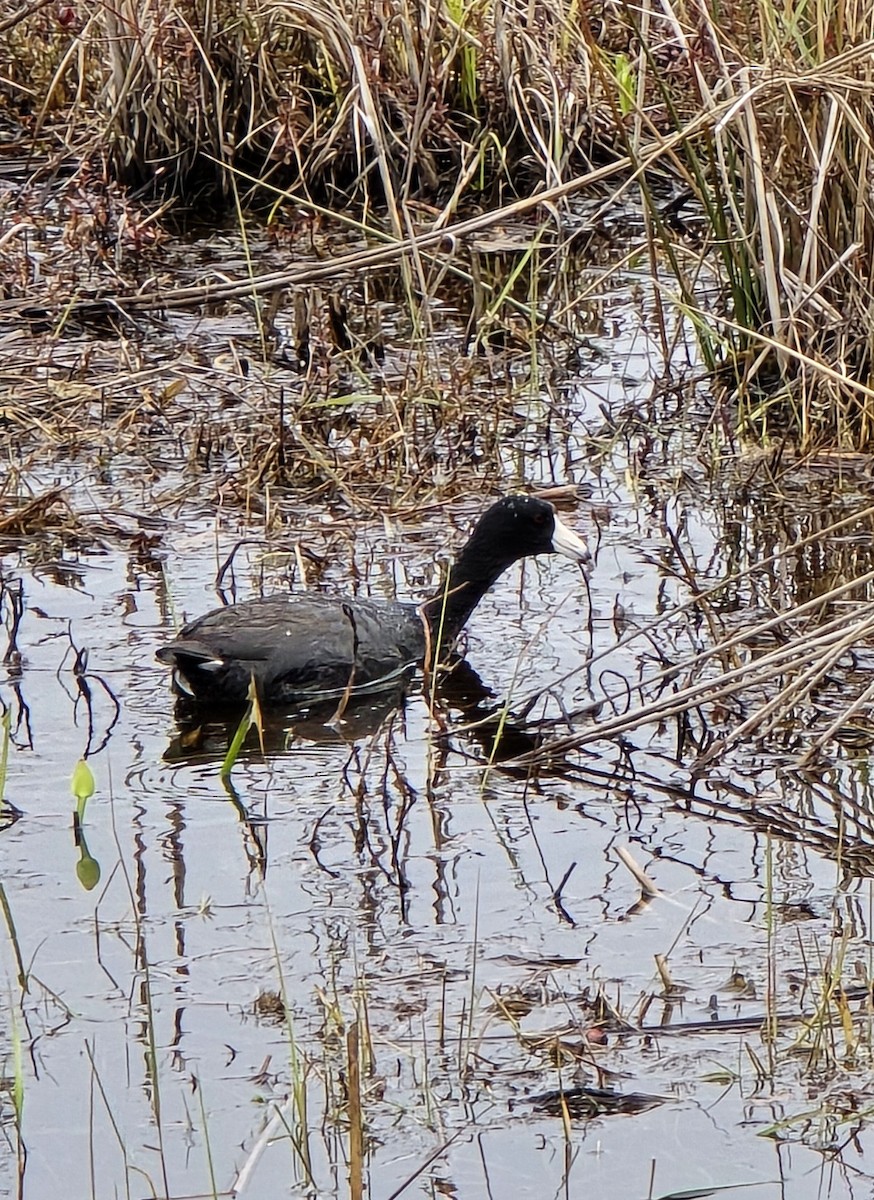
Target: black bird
[(309, 646)]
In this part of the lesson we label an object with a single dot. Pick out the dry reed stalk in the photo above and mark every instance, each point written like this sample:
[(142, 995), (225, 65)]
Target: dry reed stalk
[(795, 666), (727, 646), (790, 219), (648, 888), (790, 694), (356, 1120), (31, 516)]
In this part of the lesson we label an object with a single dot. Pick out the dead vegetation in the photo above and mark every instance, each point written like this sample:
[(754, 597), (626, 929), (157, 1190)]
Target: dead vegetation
[(751, 153), (267, 371), (354, 371), (379, 101)]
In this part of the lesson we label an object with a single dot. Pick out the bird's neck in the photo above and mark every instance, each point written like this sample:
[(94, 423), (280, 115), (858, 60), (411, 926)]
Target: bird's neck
[(471, 576)]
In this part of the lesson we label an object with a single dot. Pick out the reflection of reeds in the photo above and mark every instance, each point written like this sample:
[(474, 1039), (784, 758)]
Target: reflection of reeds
[(356, 1120), (5, 724)]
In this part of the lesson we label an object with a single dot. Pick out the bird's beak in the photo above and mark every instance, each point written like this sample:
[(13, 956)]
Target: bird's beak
[(570, 544)]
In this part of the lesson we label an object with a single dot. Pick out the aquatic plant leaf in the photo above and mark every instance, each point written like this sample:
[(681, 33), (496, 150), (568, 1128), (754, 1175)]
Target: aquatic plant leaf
[(626, 83), (82, 786), (252, 716)]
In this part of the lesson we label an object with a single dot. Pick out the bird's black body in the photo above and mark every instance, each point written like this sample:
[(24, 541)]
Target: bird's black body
[(308, 645), (296, 646)]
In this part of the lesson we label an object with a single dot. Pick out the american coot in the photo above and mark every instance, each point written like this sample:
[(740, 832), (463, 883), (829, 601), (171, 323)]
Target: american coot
[(306, 646)]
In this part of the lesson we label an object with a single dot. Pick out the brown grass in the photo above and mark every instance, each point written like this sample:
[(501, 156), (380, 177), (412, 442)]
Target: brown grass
[(750, 141), (383, 102)]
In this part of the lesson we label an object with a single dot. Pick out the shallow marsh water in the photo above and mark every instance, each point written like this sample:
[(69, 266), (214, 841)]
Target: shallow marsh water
[(396, 879)]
